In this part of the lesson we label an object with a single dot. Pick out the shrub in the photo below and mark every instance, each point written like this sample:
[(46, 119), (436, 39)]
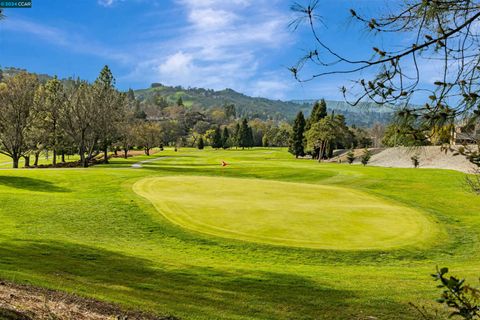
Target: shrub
[(350, 157), (366, 156), (463, 299), (415, 161)]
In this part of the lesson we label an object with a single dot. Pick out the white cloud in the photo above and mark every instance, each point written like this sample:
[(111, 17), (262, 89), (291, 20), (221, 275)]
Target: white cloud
[(224, 44), (214, 3), (178, 63), (207, 18), (106, 3), (274, 87), (217, 44), (69, 40)]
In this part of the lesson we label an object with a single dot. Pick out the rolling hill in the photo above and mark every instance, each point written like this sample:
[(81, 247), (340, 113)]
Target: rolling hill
[(364, 115)]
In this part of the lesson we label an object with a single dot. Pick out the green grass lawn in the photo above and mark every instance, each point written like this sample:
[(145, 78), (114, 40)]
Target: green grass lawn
[(6, 162), (361, 241), (285, 213)]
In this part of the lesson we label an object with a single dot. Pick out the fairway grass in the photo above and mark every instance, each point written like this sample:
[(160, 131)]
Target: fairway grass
[(86, 231), (282, 213)]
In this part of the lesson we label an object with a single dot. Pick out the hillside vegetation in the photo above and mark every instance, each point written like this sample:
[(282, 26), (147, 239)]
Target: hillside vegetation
[(365, 115)]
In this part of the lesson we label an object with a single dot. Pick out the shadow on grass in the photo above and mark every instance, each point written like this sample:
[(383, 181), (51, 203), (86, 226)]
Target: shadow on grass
[(203, 292), (30, 184)]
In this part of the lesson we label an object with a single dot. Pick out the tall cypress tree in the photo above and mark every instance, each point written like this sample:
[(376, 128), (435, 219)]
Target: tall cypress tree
[(250, 140), (107, 110), (243, 134), (225, 138), (297, 140), (217, 139), (319, 111), (236, 135)]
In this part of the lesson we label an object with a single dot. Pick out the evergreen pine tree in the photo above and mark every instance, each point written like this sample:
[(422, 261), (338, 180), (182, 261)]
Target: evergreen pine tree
[(250, 139), (236, 136), (225, 138), (106, 79), (217, 139), (243, 135), (319, 111), (297, 141), (200, 144)]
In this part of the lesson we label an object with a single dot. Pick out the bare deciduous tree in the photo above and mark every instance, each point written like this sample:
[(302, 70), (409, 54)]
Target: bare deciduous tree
[(149, 135), (79, 118)]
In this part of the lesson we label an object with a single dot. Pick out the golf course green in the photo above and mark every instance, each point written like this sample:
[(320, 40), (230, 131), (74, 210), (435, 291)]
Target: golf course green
[(266, 237), (283, 213)]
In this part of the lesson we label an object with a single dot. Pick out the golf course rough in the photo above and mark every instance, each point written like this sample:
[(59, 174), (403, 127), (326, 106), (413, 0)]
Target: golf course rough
[(287, 214)]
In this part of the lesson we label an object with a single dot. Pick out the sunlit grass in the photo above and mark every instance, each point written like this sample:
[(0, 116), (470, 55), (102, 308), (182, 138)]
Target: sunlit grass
[(86, 231)]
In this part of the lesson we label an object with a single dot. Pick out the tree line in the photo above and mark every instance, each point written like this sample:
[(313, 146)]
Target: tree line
[(72, 116), (186, 125), (322, 133), (61, 116)]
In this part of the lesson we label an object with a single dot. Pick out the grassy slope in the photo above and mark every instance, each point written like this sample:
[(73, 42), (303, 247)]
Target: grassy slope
[(86, 231)]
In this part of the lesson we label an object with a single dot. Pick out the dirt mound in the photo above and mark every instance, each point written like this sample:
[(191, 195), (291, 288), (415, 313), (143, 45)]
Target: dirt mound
[(23, 302), (400, 157)]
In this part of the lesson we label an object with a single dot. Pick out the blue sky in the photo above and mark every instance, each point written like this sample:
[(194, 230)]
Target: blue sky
[(245, 45)]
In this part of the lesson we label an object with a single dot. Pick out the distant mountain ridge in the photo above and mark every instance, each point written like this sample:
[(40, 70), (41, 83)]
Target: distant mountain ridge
[(342, 105), (365, 114)]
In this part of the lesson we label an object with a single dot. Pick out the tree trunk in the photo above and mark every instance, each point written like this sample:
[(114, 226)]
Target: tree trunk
[(90, 155), (37, 156), (27, 161), (115, 151), (63, 156), (15, 161), (125, 153), (321, 151), (105, 155), (147, 151), (83, 160), (54, 162)]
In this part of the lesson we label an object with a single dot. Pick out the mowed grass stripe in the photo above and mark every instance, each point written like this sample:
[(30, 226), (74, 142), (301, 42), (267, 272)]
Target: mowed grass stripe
[(289, 214)]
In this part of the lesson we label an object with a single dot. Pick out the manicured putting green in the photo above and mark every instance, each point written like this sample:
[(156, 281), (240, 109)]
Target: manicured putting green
[(289, 214)]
